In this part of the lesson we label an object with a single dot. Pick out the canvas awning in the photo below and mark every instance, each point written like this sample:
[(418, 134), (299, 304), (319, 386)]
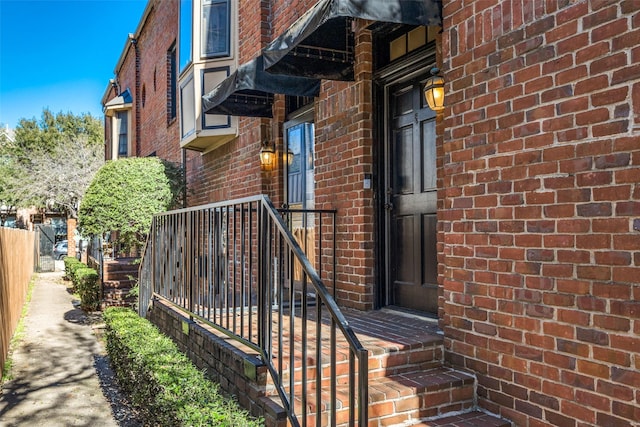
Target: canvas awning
[(249, 91), (320, 43)]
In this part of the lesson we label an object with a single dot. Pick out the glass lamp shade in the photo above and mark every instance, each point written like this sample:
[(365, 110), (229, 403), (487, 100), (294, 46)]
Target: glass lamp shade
[(267, 153), (434, 91)]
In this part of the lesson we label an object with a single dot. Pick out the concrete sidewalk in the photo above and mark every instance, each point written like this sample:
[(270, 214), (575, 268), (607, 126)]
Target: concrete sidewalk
[(60, 374)]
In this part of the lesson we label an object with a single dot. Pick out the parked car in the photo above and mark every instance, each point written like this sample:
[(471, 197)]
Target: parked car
[(60, 249)]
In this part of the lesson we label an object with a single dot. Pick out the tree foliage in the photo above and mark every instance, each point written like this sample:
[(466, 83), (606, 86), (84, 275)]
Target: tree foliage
[(126, 193), (51, 162), (44, 134), (59, 176)]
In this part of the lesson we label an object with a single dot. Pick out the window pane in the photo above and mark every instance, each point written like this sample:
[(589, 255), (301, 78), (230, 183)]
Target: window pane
[(309, 181), (186, 30), (172, 100), (300, 170), (123, 139), (211, 77), (295, 187), (187, 108), (215, 28)]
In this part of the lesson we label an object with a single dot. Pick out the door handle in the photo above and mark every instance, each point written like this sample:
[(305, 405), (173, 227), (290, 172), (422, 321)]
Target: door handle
[(388, 206)]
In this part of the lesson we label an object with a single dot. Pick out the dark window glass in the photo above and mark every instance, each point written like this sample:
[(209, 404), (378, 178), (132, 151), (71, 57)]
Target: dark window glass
[(215, 28), (300, 174), (123, 136), (172, 84)]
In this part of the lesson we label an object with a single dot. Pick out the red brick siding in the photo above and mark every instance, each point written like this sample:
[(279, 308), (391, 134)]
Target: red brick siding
[(231, 171), (344, 154), (149, 124), (344, 141), (157, 134), (541, 172)]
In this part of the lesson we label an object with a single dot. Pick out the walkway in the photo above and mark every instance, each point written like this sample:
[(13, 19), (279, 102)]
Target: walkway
[(60, 374)]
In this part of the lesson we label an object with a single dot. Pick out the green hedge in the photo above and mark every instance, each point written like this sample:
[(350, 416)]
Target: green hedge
[(70, 264), (161, 381), (87, 284)]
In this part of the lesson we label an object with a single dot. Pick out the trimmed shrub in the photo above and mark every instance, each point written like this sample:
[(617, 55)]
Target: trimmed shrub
[(70, 261), (124, 196), (73, 269), (87, 284), (161, 381)]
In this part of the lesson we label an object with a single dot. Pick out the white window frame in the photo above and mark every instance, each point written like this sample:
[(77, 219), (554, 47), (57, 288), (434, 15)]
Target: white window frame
[(115, 134), (205, 30)]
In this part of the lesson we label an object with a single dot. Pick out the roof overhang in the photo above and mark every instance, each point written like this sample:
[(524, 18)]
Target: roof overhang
[(123, 101), (320, 43), (249, 91)]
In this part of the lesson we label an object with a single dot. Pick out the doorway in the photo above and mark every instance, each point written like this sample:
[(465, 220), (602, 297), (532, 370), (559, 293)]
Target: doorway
[(410, 199)]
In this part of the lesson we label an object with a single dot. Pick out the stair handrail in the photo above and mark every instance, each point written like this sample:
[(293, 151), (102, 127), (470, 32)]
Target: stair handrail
[(271, 231)]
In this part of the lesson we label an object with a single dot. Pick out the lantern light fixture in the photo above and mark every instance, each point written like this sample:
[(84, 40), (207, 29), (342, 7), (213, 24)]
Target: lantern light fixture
[(289, 156), (267, 154), (434, 90)]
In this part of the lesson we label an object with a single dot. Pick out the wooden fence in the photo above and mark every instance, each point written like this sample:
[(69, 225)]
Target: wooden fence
[(17, 249)]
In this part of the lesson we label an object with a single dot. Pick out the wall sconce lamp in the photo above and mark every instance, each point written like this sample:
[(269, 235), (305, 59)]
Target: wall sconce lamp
[(434, 91), (267, 154)]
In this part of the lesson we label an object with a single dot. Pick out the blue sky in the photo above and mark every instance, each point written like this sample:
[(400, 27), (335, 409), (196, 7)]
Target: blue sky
[(60, 54)]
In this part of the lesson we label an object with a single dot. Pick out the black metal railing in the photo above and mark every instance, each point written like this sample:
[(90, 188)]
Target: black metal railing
[(240, 267)]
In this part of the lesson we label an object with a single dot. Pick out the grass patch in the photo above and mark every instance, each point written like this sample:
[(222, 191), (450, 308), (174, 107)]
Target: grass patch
[(18, 334)]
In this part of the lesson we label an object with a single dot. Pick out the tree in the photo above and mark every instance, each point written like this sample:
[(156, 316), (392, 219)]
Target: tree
[(46, 133), (50, 163), (59, 176), (125, 194)]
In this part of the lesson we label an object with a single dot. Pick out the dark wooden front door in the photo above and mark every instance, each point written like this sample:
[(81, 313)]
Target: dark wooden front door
[(411, 198)]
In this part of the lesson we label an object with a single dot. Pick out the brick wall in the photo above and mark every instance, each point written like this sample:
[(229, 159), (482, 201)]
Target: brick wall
[(541, 214), (343, 122), (157, 133), (344, 154)]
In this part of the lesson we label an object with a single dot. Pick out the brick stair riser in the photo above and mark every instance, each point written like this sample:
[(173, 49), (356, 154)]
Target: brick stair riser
[(118, 296), (106, 304), (118, 284), (396, 363), (120, 275), (393, 412), (379, 366), (403, 406)]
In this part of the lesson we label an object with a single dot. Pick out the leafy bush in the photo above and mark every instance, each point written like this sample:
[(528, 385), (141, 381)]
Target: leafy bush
[(161, 381), (87, 284), (124, 196), (73, 269), (69, 262)]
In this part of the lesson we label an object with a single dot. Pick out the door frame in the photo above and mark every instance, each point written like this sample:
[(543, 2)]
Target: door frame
[(415, 66)]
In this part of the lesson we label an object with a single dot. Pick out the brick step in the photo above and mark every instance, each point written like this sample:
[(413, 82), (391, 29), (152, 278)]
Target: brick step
[(420, 394), (117, 294), (467, 419), (397, 344), (121, 264), (397, 398), (118, 284), (120, 275), (116, 303)]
